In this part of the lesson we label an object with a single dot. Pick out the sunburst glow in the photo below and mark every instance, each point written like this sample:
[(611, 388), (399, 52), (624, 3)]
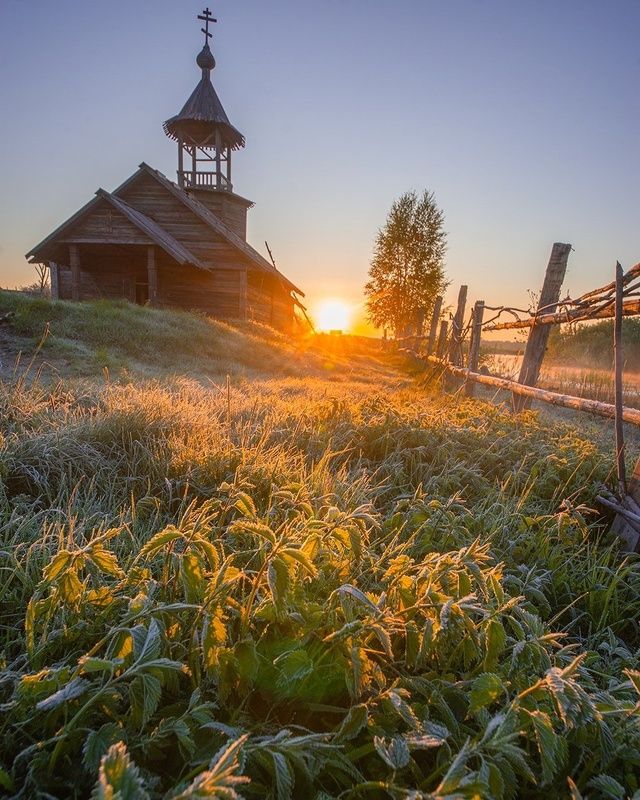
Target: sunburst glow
[(332, 315)]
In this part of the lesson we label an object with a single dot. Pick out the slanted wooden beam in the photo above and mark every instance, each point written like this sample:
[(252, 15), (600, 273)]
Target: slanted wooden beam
[(539, 335), (74, 263), (152, 275)]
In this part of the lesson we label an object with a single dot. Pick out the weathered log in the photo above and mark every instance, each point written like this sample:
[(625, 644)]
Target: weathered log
[(596, 407), (433, 330), (455, 345), (442, 338), (538, 336)]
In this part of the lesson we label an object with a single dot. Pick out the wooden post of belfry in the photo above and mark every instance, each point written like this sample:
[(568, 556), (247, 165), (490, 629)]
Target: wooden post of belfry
[(455, 345), (442, 339), (433, 330), (617, 352), (539, 334), (474, 346)]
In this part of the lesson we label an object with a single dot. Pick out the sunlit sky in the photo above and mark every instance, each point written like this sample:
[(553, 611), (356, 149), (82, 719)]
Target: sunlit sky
[(522, 117)]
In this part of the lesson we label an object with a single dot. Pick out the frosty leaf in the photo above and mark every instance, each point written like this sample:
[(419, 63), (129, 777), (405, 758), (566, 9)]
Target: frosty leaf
[(485, 689), (72, 690), (353, 723), (395, 754), (118, 777), (98, 742)]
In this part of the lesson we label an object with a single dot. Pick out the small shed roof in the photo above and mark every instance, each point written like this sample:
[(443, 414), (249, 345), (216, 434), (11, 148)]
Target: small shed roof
[(148, 227)]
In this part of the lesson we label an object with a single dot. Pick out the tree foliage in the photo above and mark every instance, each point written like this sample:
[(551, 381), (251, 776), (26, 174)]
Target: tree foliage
[(406, 272)]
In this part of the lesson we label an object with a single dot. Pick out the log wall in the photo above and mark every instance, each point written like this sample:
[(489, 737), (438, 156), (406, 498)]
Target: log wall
[(268, 302), (231, 211)]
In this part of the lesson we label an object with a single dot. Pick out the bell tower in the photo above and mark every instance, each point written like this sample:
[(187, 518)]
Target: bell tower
[(206, 140)]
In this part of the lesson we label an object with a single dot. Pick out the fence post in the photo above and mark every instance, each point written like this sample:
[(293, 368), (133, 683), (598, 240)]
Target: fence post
[(455, 346), (419, 322), (474, 346), (442, 339), (539, 334), (433, 330), (617, 351)]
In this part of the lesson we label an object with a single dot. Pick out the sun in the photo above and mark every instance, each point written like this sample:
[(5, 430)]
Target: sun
[(332, 315)]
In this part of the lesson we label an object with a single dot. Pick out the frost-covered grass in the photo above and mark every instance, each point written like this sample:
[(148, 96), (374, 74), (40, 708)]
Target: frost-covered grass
[(307, 588)]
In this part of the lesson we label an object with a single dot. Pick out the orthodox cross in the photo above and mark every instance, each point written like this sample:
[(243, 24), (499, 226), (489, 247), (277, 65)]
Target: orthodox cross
[(206, 17)]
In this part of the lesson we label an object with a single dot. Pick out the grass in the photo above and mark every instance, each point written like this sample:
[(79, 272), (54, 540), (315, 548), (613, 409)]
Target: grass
[(84, 339), (314, 581)]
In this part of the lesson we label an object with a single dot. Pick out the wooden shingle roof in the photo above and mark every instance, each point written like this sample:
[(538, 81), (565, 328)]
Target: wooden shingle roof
[(216, 224), (201, 116), (148, 227), (157, 234)]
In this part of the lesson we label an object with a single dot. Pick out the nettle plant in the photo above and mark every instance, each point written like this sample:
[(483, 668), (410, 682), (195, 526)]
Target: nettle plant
[(304, 651)]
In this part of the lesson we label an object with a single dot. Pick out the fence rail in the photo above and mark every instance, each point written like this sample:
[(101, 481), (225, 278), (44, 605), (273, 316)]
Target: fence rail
[(616, 300)]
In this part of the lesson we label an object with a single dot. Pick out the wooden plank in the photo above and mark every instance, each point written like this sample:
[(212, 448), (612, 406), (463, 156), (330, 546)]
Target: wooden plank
[(539, 335), (474, 347), (243, 295), (103, 240), (152, 275), (54, 276), (74, 263)]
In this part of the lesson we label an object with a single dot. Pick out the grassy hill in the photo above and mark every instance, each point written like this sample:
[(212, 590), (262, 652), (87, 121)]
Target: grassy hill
[(319, 580), (82, 339)]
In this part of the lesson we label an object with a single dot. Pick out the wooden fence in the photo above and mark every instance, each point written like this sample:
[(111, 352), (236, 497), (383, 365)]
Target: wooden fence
[(444, 349)]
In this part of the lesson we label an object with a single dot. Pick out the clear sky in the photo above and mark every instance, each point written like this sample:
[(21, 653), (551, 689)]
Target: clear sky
[(523, 117)]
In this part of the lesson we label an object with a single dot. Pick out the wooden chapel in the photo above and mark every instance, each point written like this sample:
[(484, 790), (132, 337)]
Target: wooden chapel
[(172, 244)]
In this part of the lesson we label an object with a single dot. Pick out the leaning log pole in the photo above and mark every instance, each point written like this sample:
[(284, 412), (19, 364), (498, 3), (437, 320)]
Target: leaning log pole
[(539, 335)]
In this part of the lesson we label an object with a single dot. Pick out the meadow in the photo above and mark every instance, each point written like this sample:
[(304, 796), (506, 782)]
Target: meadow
[(236, 565)]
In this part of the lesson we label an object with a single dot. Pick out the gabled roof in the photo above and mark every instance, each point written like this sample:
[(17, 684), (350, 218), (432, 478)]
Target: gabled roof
[(31, 255), (147, 226), (157, 234), (215, 223)]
